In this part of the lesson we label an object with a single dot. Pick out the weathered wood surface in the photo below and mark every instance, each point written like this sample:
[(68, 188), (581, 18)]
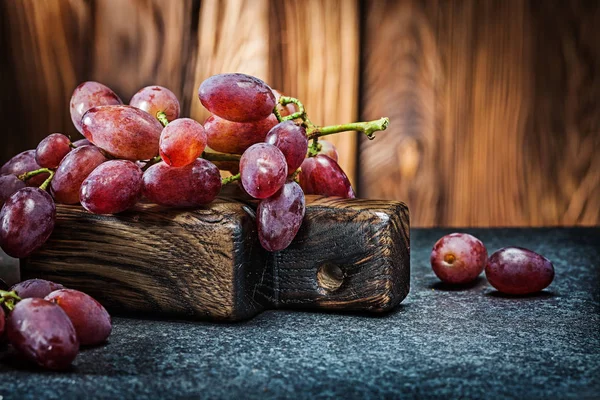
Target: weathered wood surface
[(208, 264)]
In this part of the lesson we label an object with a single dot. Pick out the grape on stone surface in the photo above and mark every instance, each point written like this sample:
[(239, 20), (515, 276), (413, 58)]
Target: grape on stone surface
[(193, 185), (458, 258), (38, 288), (519, 271), (235, 137), (237, 97), (90, 319), (280, 216), (87, 95), (113, 187), (181, 142), (21, 163), (9, 184), (263, 170), (328, 149), (292, 141), (72, 171), (154, 99), (26, 221), (123, 131), (323, 176), (52, 149), (42, 332)]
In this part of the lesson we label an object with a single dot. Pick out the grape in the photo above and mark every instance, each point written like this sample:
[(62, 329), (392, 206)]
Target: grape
[(321, 175), (235, 137), (153, 99), (514, 270), (82, 142), (90, 319), (263, 170), (113, 187), (52, 150), (458, 258), (72, 171), (286, 110), (21, 163), (38, 288), (125, 132), (292, 141), (42, 332), (328, 149), (190, 186), (9, 184), (87, 95), (181, 142), (237, 97), (26, 221), (280, 216)]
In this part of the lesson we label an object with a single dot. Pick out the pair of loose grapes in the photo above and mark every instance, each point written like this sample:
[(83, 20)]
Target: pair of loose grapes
[(459, 258), (49, 323)]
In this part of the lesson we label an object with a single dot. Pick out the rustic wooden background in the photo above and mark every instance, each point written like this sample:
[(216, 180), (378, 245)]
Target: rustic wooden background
[(495, 104)]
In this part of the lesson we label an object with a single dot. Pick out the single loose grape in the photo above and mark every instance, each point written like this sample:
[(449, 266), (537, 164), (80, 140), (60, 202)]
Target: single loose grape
[(21, 163), (9, 184), (292, 141), (458, 258), (235, 137), (38, 288), (154, 99), (323, 176), (72, 171), (52, 150), (87, 95), (181, 142), (263, 170)]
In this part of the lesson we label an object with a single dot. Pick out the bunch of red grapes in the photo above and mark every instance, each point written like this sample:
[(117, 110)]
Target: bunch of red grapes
[(145, 150)]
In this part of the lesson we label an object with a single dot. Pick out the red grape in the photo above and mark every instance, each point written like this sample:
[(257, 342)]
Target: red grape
[(21, 163), (321, 175), (91, 320), (286, 110), (235, 137), (72, 171), (111, 188), (292, 141), (280, 217), (26, 221), (263, 170), (458, 258), (237, 97), (328, 149), (38, 288), (125, 132), (52, 150), (181, 142), (153, 99), (87, 95), (42, 332), (190, 186), (82, 142), (9, 184), (514, 270)]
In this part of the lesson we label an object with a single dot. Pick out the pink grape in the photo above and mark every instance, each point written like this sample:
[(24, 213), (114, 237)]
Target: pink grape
[(113, 187), (87, 95), (21, 163), (237, 97), (123, 131), (280, 217), (181, 142), (38, 288), (518, 271), (321, 175), (292, 141), (9, 184), (72, 171), (286, 110), (235, 137), (26, 221), (458, 258), (263, 170), (52, 150), (190, 186), (153, 99), (328, 149)]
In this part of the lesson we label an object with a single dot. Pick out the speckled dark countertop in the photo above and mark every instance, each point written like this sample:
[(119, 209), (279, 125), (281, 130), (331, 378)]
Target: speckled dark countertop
[(470, 343)]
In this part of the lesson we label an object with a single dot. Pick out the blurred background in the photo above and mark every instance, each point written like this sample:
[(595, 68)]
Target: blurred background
[(494, 104)]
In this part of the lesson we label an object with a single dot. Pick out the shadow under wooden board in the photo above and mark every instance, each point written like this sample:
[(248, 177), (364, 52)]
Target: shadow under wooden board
[(350, 255)]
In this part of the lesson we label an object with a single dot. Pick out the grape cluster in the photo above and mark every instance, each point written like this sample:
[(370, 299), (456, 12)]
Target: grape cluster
[(146, 150)]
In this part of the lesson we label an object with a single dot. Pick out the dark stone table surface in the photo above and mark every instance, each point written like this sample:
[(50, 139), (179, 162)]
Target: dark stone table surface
[(440, 343)]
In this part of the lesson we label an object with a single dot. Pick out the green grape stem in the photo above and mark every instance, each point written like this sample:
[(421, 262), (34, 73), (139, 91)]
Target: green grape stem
[(162, 117), (221, 156), (229, 179), (315, 148), (9, 299), (44, 186)]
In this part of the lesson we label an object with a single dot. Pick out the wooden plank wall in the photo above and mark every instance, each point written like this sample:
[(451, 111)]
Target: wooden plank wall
[(495, 104)]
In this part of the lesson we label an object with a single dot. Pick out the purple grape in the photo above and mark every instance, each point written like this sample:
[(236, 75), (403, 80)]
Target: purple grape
[(292, 141), (90, 319), (72, 171), (24, 162), (9, 184), (235, 137), (113, 187), (518, 271), (153, 99), (237, 97), (52, 150), (263, 170), (190, 186), (321, 175), (458, 258), (26, 221), (82, 142), (43, 332), (280, 217), (87, 95), (38, 288), (181, 142), (328, 149)]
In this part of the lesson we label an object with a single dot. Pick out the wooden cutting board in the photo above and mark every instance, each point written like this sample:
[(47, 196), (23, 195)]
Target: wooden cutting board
[(350, 255)]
